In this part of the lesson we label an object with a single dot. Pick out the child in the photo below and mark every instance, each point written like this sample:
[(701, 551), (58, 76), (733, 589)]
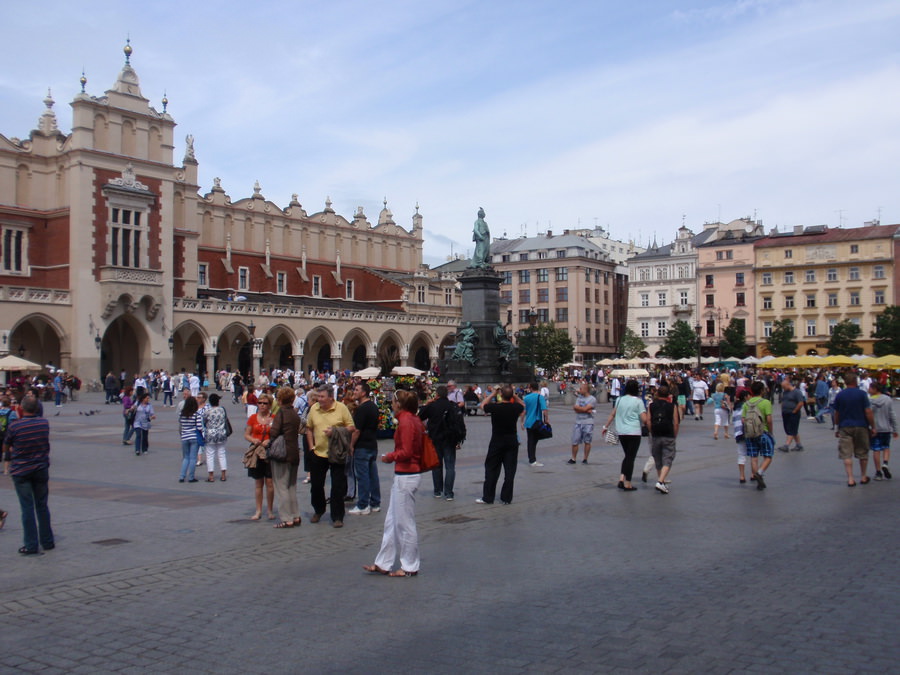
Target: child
[(738, 426), (885, 425)]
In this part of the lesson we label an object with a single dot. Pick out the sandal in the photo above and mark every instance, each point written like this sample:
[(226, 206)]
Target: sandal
[(283, 524), (3, 515), (865, 481), (297, 521), (28, 551), (210, 480), (402, 573), (375, 569), (256, 517)]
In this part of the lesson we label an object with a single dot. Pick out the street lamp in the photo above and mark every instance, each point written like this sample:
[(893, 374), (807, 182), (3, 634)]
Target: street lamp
[(697, 331), (532, 322)]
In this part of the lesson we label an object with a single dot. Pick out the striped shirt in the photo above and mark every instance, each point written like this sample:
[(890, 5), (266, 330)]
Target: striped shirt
[(190, 426), (29, 442)]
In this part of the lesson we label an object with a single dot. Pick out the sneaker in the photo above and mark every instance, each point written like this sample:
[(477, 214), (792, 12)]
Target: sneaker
[(886, 471), (584, 461), (338, 524), (535, 464), (644, 477), (449, 498), (783, 448), (878, 476), (661, 487), (571, 461), (811, 417), (760, 482), (438, 495), (481, 501), (376, 509), (798, 448), (696, 418), (356, 511)]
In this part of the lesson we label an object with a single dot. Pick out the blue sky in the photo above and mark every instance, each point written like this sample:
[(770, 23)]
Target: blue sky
[(547, 114)]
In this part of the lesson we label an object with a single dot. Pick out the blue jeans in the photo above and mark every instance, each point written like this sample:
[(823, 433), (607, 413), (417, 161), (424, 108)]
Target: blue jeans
[(444, 476), (141, 440), (32, 490), (167, 397), (129, 431), (189, 458), (368, 489)]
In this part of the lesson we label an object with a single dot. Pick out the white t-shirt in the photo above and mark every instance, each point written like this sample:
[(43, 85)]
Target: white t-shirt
[(700, 392)]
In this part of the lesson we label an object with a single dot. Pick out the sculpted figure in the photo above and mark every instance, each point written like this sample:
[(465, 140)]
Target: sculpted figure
[(501, 339), (481, 235), (466, 339)]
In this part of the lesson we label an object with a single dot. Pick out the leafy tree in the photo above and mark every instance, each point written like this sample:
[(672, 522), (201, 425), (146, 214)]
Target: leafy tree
[(887, 332), (632, 345), (552, 346), (681, 341), (734, 339), (781, 341), (843, 339)]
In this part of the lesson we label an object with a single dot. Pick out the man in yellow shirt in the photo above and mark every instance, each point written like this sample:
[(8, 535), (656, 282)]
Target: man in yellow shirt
[(323, 416)]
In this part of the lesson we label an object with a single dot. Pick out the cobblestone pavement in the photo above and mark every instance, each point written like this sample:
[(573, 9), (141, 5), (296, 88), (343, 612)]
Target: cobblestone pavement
[(575, 576)]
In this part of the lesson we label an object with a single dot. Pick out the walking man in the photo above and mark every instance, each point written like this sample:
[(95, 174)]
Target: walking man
[(583, 431), (322, 417), (663, 431), (756, 417), (855, 425), (505, 411), (26, 448), (535, 411), (792, 401)]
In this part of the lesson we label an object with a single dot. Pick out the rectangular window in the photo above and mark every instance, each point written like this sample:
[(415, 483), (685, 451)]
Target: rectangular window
[(605, 297), (281, 282), (661, 299), (662, 273), (789, 302), (542, 255), (507, 277), (202, 272), (543, 294), (317, 286), (523, 256), (524, 276), (854, 248), (243, 278), (810, 300), (810, 276), (448, 296), (543, 315), (853, 274), (562, 314), (831, 275), (854, 297), (879, 297), (832, 323), (587, 294), (724, 255), (767, 329), (645, 299), (562, 294), (738, 278), (504, 258), (767, 278), (523, 316), (524, 295), (597, 295), (682, 297), (420, 294), (645, 329), (878, 272), (587, 316), (788, 253), (788, 277), (605, 316), (543, 274), (740, 299), (15, 247), (710, 300), (767, 302), (810, 328), (560, 254), (661, 329), (587, 275), (832, 299), (125, 239), (350, 290), (562, 273)]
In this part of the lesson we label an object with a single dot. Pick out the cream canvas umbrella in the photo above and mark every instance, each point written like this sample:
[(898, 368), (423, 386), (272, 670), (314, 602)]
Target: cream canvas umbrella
[(368, 373), (406, 370), (11, 362)]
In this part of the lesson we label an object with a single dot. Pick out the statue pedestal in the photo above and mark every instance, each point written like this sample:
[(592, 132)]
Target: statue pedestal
[(481, 308)]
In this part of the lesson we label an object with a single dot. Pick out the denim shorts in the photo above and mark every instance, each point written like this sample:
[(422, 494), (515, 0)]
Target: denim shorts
[(582, 433), (880, 441)]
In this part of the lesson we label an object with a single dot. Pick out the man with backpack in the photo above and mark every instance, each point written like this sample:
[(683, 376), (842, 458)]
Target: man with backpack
[(664, 421), (756, 417), (446, 428)]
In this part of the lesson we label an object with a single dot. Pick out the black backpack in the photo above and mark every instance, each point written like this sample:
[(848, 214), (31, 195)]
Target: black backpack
[(451, 425)]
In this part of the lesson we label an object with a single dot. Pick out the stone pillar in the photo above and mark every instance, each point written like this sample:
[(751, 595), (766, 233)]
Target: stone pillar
[(372, 355), (257, 357), (335, 364), (404, 355), (210, 368)]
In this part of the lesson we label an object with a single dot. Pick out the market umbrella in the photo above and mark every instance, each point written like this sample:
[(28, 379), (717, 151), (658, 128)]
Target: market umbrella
[(368, 373), (572, 364), (606, 362), (11, 362), (891, 361), (406, 370), (837, 360), (750, 361), (629, 372)]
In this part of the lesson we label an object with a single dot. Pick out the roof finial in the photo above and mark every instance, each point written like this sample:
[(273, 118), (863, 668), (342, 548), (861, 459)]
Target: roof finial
[(127, 49), (165, 101), (385, 201), (49, 100), (83, 80)]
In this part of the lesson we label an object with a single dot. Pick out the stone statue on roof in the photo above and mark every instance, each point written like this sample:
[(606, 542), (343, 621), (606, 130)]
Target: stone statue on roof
[(481, 235)]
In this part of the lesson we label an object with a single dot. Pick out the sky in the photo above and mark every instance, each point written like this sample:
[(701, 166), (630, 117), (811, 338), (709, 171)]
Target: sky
[(634, 116)]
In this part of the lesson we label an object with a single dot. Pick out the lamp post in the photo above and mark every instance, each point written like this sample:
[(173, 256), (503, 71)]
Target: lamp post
[(697, 329), (532, 322)]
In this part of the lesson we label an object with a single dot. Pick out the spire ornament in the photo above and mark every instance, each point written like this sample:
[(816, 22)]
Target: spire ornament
[(82, 80), (165, 101), (128, 50)]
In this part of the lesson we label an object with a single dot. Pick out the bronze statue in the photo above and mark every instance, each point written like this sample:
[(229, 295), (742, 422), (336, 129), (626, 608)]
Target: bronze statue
[(481, 235), (466, 339)]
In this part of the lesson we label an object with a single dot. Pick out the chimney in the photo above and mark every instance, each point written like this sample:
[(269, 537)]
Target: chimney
[(549, 233), (798, 229)]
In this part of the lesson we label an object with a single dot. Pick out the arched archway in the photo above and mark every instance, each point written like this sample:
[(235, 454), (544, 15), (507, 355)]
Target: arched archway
[(319, 346), (278, 348), (446, 346), (420, 351), (234, 350), (124, 346), (38, 338), (389, 351), (189, 348), (355, 349)]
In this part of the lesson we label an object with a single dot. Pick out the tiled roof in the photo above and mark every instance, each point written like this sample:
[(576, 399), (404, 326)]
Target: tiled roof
[(818, 235)]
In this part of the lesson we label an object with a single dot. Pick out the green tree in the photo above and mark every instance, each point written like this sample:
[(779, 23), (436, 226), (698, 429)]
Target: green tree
[(734, 339), (632, 345), (552, 346), (781, 341), (887, 332), (843, 339), (681, 342)]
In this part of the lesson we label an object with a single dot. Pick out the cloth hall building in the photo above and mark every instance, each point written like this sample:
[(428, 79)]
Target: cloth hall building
[(112, 259)]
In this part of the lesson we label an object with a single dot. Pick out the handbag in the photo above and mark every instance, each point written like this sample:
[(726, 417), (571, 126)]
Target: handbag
[(611, 436), (645, 430), (429, 459), (277, 450), (542, 430), (130, 414), (228, 428)]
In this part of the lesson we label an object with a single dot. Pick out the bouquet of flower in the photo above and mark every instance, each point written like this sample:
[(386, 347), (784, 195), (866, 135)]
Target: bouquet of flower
[(404, 382)]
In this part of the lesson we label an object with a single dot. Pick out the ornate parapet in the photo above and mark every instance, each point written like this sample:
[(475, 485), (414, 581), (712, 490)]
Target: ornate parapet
[(47, 296), (131, 275)]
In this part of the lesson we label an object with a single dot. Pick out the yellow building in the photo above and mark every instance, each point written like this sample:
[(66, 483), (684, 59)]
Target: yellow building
[(820, 276)]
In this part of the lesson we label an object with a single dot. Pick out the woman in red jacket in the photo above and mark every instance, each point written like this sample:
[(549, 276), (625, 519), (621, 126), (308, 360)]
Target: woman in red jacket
[(400, 521)]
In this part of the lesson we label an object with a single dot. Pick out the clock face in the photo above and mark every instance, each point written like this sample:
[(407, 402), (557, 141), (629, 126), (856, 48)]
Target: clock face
[(748, 228)]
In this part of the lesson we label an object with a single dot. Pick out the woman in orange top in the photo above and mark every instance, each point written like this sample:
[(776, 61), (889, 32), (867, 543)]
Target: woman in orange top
[(400, 521), (257, 433)]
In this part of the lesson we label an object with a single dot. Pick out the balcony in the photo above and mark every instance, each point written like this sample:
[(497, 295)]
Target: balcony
[(130, 275)]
